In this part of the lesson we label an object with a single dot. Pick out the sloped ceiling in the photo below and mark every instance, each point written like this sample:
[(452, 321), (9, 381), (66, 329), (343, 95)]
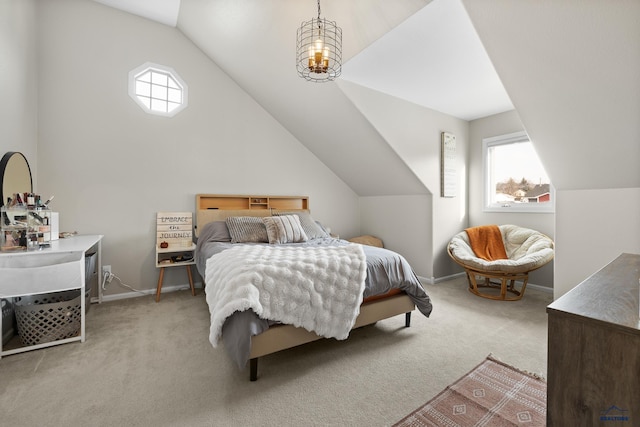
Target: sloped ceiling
[(435, 59), (163, 11), (254, 42), (570, 68)]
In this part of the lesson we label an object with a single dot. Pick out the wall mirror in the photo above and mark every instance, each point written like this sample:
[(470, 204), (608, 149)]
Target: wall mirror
[(15, 175)]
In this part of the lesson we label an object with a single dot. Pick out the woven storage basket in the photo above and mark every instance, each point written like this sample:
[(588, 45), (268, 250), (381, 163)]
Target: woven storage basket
[(49, 317), (8, 321)]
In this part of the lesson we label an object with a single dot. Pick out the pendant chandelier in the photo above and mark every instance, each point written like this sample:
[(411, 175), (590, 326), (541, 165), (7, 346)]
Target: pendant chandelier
[(319, 50)]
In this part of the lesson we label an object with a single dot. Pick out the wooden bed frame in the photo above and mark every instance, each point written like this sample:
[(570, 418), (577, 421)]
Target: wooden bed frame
[(218, 207)]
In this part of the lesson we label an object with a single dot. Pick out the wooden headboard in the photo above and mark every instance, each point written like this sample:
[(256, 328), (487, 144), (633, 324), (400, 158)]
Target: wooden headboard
[(218, 207)]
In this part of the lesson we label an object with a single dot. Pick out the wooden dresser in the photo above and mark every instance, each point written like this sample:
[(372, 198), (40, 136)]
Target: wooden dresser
[(594, 350)]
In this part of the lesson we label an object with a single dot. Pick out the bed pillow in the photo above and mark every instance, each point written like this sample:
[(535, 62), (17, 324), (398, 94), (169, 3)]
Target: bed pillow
[(284, 229), (247, 229), (311, 229), (215, 231), (325, 230)]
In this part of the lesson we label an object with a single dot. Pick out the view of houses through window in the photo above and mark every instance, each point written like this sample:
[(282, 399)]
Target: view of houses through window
[(514, 176)]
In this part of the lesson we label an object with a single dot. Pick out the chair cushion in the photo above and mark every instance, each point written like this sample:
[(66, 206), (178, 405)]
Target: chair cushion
[(526, 250)]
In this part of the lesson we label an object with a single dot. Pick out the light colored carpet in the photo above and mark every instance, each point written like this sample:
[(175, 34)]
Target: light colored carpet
[(151, 364)]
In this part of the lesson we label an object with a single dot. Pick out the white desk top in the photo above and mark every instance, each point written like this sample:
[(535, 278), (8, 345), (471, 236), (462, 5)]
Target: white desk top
[(58, 267), (69, 244)]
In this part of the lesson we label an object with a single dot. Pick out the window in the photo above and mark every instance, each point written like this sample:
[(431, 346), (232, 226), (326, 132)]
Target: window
[(158, 89), (515, 180)]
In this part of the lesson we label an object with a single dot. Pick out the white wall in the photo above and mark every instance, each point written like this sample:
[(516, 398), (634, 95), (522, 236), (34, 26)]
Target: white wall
[(502, 124), (571, 69), (404, 224), (573, 78), (112, 166), (18, 80), (601, 224), (414, 133)]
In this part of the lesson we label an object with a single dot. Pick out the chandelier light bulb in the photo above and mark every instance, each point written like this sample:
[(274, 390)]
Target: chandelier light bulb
[(319, 50)]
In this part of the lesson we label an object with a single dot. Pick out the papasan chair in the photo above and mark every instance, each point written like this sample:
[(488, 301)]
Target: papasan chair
[(501, 256)]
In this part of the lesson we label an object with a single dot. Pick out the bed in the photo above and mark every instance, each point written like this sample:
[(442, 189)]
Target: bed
[(263, 258)]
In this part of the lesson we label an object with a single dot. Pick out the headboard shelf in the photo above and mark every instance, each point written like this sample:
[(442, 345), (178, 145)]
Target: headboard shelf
[(208, 206), (238, 202)]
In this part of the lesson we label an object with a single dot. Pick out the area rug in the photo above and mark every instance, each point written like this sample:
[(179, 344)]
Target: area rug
[(492, 394)]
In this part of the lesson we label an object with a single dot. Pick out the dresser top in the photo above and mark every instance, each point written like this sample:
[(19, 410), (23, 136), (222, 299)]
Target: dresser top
[(611, 295)]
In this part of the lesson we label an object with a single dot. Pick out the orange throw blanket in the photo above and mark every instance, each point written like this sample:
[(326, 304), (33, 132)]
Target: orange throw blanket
[(486, 242)]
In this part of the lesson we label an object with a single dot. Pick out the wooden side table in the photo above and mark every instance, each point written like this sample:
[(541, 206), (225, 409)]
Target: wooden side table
[(173, 257)]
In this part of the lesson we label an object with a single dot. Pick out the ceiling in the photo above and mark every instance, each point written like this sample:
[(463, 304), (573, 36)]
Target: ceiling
[(433, 58), (163, 11), (571, 69)]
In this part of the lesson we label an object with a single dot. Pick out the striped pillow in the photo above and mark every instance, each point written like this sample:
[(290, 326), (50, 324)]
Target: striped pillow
[(311, 229), (247, 229), (284, 229)]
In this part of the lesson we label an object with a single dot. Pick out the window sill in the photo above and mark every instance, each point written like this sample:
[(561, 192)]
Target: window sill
[(519, 209)]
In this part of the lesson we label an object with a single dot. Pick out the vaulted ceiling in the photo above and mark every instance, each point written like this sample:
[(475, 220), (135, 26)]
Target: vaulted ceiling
[(430, 56), (570, 69), (254, 43)]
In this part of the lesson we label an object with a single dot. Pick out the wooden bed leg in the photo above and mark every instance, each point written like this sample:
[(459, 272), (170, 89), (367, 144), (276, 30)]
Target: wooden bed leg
[(253, 369), (407, 319)]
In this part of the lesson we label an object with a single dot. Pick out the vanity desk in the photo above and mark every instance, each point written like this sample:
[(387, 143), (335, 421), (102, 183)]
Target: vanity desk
[(60, 267)]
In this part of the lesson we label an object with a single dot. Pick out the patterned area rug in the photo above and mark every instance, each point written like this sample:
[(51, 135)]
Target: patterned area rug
[(492, 394)]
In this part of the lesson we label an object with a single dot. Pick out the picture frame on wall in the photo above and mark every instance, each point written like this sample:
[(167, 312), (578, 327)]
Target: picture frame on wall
[(448, 173)]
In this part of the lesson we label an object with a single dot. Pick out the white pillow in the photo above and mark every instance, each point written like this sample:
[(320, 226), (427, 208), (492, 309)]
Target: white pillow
[(284, 229), (311, 229)]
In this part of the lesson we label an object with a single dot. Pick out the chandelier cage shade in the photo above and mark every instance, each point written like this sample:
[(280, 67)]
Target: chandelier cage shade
[(319, 50)]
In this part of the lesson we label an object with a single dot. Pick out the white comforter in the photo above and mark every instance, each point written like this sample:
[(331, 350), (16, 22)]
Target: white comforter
[(317, 288)]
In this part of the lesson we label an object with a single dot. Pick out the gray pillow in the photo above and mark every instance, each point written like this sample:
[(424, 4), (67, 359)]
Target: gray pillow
[(284, 229), (215, 231), (247, 229), (311, 229)]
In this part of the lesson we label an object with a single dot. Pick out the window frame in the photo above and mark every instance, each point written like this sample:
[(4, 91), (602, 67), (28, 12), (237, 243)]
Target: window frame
[(160, 69), (488, 206)]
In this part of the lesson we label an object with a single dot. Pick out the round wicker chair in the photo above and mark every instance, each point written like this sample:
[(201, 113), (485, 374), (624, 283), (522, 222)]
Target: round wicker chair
[(526, 250)]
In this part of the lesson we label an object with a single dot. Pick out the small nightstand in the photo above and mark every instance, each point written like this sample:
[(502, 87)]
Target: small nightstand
[(174, 244), (175, 257)]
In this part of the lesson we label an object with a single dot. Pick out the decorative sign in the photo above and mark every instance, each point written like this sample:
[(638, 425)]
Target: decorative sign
[(175, 229), (448, 174)]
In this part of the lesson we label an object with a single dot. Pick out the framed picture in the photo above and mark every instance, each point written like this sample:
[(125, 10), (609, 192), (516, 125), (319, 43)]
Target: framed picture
[(448, 175)]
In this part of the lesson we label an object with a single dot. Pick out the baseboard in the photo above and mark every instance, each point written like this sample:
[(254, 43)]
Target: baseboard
[(145, 292), (198, 285), (436, 280), (540, 288)]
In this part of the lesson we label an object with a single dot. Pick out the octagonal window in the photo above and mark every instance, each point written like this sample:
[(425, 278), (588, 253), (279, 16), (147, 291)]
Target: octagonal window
[(158, 89)]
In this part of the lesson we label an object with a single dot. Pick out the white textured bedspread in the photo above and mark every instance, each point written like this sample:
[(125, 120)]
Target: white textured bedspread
[(317, 288)]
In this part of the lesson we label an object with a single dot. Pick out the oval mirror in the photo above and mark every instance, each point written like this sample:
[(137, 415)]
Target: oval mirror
[(15, 176)]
